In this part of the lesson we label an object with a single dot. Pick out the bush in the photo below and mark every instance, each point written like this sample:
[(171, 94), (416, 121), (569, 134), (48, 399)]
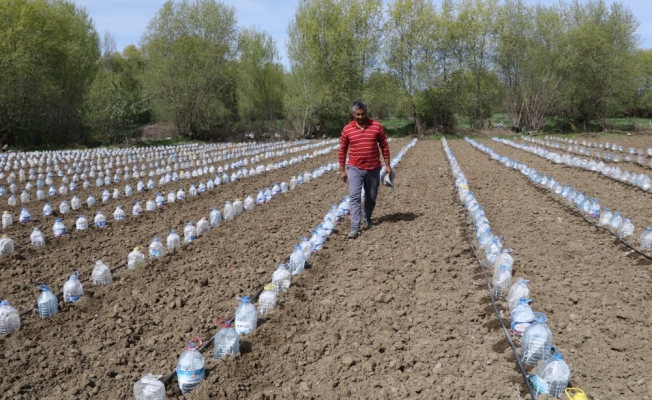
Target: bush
[(435, 110)]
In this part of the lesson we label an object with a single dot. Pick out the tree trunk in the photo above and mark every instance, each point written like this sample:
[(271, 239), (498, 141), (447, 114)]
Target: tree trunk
[(417, 123)]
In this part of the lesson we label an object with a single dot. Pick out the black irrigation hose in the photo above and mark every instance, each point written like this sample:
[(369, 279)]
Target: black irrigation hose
[(495, 307), (209, 341)]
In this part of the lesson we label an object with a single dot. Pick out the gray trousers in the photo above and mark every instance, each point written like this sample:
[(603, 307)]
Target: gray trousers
[(359, 178)]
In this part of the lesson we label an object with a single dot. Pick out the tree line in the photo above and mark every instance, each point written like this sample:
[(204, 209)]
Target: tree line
[(197, 70)]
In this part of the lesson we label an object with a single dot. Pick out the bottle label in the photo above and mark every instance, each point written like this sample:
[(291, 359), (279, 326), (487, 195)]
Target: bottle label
[(189, 379), (519, 327), (245, 327), (100, 224)]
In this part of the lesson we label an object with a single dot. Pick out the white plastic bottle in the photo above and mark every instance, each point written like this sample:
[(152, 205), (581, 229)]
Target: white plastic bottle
[(237, 207), (267, 299), (118, 214), (518, 291), (202, 226), (246, 317), (190, 368), (173, 241), (297, 260), (249, 203), (521, 317), (101, 274), (24, 216), (136, 259), (47, 209), (150, 205), (229, 213), (189, 232), (149, 387), (100, 220), (172, 197), (137, 209), (553, 374), (215, 217), (64, 207), (73, 289), (156, 249), (59, 229), (24, 197), (90, 201), (82, 223), (227, 340), (47, 303), (37, 237), (7, 220), (306, 247), (9, 318), (6, 245), (75, 203), (281, 279)]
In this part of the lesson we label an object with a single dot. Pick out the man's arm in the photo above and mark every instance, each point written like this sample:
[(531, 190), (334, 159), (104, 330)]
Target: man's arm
[(341, 155), (384, 147)]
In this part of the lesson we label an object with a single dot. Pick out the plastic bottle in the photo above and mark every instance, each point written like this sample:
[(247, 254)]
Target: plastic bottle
[(37, 237), (215, 217), (605, 217), (64, 207), (553, 374), (281, 279), (90, 201), (229, 214), (137, 209), (646, 239), (284, 187), (106, 196), (136, 259), (626, 228), (297, 260), (118, 214), (518, 291), (9, 318), (293, 183), (24, 197), (156, 249), (59, 229), (493, 250), (306, 247), (172, 197), (227, 340), (47, 303), (81, 223), (537, 339), (192, 191), (249, 203), (149, 387), (173, 241), (101, 274), (128, 190), (615, 222), (246, 318), (73, 289), (328, 226), (521, 317), (189, 232), (75, 203), (267, 299), (237, 207), (47, 209), (502, 281), (100, 220), (594, 208), (181, 195), (260, 197), (190, 368), (7, 219), (150, 205)]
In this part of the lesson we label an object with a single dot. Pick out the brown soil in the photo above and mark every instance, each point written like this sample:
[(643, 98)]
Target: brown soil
[(400, 312)]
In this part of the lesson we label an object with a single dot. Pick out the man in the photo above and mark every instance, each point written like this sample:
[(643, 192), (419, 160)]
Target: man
[(361, 138)]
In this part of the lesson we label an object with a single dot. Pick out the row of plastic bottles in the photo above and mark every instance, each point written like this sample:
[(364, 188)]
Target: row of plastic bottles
[(552, 375), (190, 367), (631, 154), (614, 221), (639, 180), (159, 161)]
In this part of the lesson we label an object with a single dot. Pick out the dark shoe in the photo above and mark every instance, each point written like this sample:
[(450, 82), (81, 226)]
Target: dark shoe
[(354, 233), (368, 223)]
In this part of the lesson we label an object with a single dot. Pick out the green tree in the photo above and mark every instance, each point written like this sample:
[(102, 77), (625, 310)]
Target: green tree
[(48, 58), (260, 77), (190, 49)]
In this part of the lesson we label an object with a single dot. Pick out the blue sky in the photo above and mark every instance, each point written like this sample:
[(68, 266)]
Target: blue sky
[(127, 19)]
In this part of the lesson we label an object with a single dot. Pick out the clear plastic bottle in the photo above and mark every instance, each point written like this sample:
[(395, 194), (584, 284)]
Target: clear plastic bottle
[(181, 195), (260, 197), (172, 197), (24, 197), (75, 203), (267, 299), (502, 281), (328, 226), (297, 260), (237, 207), (284, 187), (293, 183), (81, 223), (189, 232), (100, 220), (119, 214), (64, 207), (7, 220), (518, 291), (246, 317), (605, 217), (537, 339), (306, 247), (136, 259), (615, 222), (47, 303), (521, 317), (150, 205), (249, 203), (9, 318), (594, 208), (192, 191), (101, 274), (159, 200), (173, 241), (227, 340), (281, 279), (493, 250), (73, 289), (137, 209), (215, 217), (626, 228), (190, 368), (37, 237), (59, 229), (156, 249), (553, 374), (90, 201), (229, 213), (47, 209), (149, 387), (646, 239)]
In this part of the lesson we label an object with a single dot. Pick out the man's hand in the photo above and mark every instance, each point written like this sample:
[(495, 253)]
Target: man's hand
[(388, 169), (343, 176)]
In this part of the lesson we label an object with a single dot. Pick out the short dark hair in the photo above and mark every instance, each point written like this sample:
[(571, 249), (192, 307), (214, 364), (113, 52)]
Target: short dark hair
[(359, 105)]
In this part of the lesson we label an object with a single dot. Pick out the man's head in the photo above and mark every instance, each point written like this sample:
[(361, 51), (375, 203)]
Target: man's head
[(360, 112)]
